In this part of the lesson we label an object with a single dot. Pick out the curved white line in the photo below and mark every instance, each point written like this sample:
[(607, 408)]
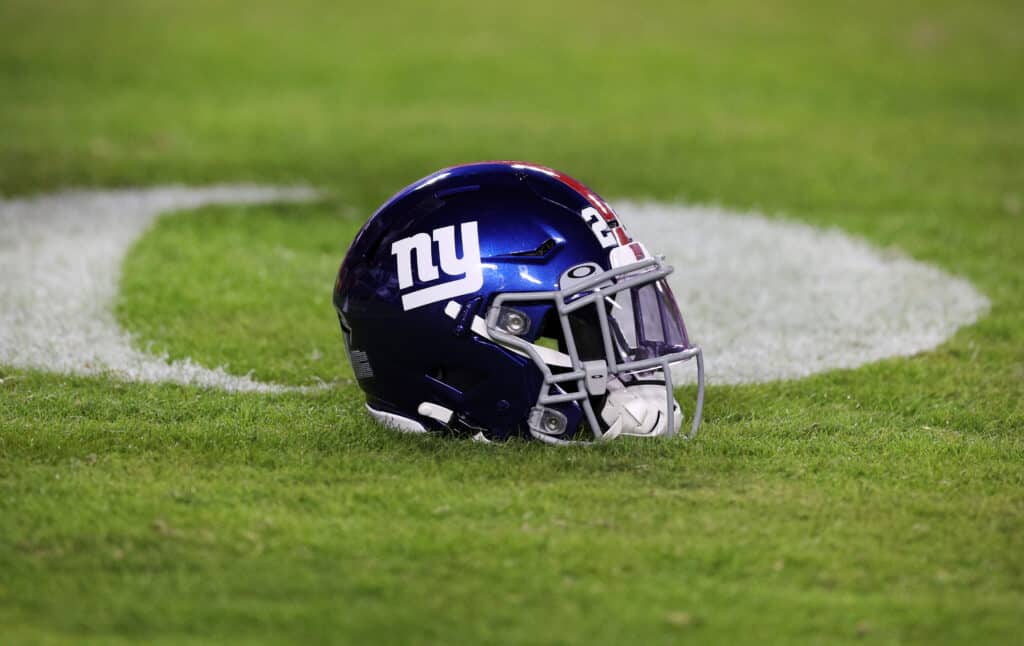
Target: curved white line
[(772, 299), (766, 298), (60, 260)]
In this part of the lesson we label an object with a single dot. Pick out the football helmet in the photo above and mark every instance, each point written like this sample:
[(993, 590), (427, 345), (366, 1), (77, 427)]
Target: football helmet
[(505, 299)]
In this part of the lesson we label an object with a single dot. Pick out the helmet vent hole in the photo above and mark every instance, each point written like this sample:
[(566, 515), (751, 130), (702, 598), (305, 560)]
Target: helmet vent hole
[(542, 250)]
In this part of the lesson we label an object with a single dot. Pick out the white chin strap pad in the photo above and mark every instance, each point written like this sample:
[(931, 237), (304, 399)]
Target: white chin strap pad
[(638, 410)]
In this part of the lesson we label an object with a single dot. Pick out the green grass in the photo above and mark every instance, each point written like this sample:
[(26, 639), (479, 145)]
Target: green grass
[(884, 504), (246, 288)]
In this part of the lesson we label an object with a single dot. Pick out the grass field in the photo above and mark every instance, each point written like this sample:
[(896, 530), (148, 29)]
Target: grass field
[(884, 504)]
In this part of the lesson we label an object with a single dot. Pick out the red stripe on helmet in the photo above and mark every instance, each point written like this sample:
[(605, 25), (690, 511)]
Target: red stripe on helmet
[(602, 207)]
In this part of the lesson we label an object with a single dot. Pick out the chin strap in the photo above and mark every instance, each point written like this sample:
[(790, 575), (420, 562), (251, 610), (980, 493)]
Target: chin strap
[(639, 409)]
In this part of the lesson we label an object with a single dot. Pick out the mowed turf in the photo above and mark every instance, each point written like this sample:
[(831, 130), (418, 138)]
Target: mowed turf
[(884, 504)]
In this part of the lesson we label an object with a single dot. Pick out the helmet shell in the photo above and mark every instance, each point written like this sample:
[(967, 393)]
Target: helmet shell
[(531, 225)]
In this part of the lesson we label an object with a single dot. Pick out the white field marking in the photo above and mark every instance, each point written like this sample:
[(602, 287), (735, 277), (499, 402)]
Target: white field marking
[(772, 299), (766, 298), (60, 262)]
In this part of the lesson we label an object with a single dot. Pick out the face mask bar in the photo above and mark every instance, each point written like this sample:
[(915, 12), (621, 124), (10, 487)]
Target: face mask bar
[(591, 377)]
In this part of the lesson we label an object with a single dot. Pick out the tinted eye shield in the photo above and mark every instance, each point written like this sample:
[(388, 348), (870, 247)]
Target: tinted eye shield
[(641, 315)]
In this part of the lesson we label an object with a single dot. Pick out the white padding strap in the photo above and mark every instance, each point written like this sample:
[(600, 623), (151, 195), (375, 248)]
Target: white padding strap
[(435, 411), (396, 422)]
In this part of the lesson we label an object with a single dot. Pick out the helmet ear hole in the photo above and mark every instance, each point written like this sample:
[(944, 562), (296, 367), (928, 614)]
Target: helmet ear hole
[(586, 332), (551, 335)]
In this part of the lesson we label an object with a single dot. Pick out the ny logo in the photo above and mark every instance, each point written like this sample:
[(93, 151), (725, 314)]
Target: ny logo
[(421, 245)]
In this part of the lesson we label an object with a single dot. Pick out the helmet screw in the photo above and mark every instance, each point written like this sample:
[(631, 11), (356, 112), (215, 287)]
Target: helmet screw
[(515, 323), (552, 423)]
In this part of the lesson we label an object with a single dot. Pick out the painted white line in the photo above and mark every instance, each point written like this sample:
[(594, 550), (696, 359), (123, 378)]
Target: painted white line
[(766, 298), (60, 261), (772, 299)]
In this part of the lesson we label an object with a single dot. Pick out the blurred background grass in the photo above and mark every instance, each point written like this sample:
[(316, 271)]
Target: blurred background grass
[(799, 105)]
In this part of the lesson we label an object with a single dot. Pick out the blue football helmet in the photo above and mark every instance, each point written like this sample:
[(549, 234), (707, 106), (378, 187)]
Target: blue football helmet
[(505, 299)]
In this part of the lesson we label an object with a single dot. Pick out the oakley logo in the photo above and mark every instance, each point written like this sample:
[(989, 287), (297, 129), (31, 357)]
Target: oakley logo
[(421, 246)]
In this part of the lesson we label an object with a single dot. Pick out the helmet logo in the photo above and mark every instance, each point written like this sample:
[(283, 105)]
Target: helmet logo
[(467, 267), (582, 271)]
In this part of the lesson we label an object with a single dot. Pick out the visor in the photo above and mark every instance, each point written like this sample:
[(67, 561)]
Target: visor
[(645, 322)]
